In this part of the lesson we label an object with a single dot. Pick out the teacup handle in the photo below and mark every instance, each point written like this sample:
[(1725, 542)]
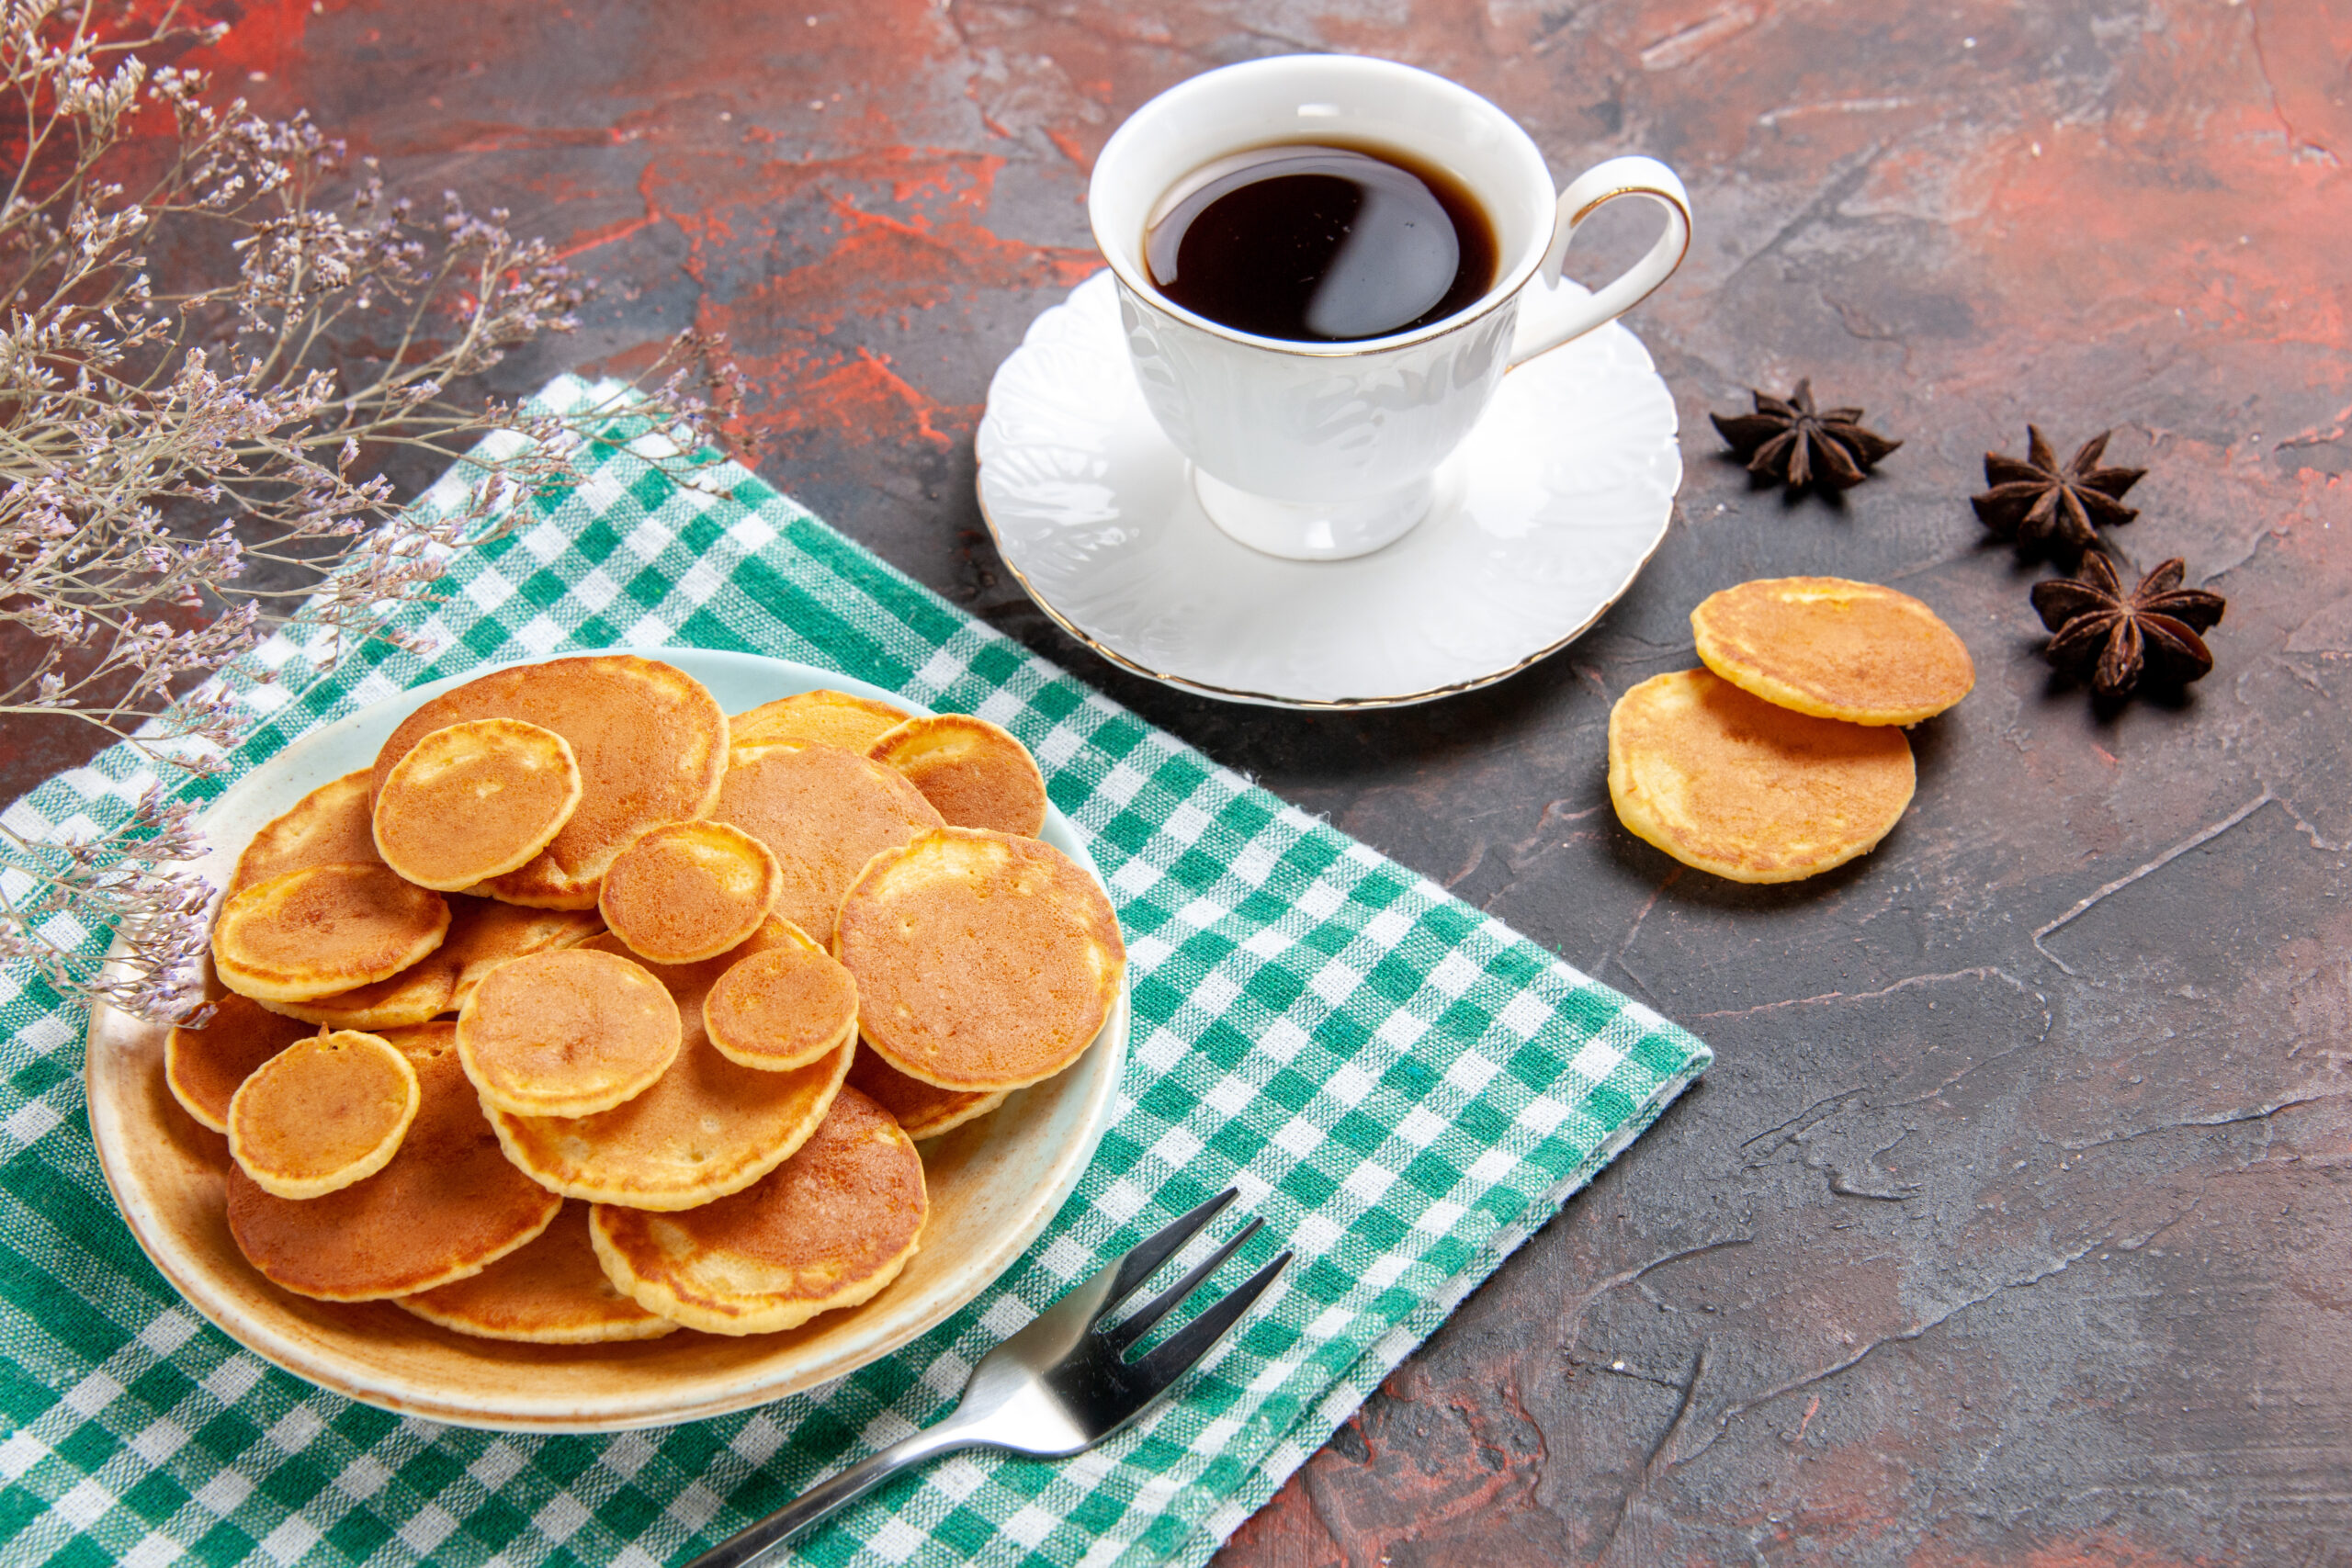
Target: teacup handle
[(1551, 318)]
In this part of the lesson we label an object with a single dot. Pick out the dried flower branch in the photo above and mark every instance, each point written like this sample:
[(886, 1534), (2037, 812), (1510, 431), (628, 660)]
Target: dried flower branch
[(132, 880), (181, 469)]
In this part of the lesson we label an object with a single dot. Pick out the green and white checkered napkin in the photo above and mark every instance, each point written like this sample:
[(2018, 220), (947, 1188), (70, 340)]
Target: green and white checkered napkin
[(1404, 1087)]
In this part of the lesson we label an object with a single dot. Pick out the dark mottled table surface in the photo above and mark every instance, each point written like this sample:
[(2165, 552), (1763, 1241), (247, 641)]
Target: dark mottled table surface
[(2011, 1225)]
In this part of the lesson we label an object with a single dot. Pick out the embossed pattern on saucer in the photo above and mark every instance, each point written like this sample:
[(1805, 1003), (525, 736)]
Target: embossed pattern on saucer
[(1545, 517)]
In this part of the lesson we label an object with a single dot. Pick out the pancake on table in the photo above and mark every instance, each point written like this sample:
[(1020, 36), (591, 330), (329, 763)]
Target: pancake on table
[(204, 1064), (687, 891), (823, 812), (448, 1206), (1834, 648), (650, 741), (707, 1127), (829, 1228), (567, 1033), (984, 961), (323, 929), (482, 934), (1730, 783), (782, 1007), (924, 1109), (551, 1291), (330, 826), (322, 1113), (974, 772), (827, 716), (475, 800)]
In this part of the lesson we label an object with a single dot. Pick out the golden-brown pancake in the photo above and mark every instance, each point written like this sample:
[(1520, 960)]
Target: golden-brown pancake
[(322, 1113), (509, 932), (552, 1291), (824, 812), (448, 1206), (330, 826), (976, 772), (707, 1128), (483, 933), (984, 961), (687, 891), (829, 1228), (783, 1006), (1834, 648), (1732, 784), (324, 928), (650, 742), (474, 800), (204, 1066), (567, 1033), (923, 1110), (418, 994), (829, 718)]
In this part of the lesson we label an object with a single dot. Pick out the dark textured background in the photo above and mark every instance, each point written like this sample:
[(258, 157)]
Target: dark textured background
[(2011, 1225)]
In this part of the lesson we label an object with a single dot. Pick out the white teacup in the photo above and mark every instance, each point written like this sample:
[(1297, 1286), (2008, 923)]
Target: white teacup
[(1319, 451)]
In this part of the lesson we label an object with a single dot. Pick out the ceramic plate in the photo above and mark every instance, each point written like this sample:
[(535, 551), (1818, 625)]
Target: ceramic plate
[(1544, 516), (994, 1184)]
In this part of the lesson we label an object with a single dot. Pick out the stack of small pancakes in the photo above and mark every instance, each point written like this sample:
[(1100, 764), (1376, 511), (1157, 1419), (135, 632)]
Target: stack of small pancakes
[(1785, 755), (589, 1013)]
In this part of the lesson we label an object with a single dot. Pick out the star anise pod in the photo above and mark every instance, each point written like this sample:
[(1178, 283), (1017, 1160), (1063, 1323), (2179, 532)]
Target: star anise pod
[(2057, 510), (1788, 440), (2153, 630)]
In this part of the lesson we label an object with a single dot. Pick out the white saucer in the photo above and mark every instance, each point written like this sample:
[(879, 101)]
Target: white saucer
[(1545, 517)]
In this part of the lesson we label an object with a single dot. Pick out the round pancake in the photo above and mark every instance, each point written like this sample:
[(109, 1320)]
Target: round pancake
[(826, 717), (322, 1113), (509, 932), (567, 1033), (688, 891), (1735, 786), (650, 742), (783, 1006), (707, 1128), (831, 1227), (984, 961), (1834, 648), (324, 928), (204, 1066), (447, 1207), (483, 934), (552, 1291), (416, 995), (825, 813), (475, 800), (924, 1111), (330, 826), (977, 773)]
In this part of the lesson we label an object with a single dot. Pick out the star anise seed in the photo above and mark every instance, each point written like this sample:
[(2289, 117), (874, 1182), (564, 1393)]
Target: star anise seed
[(2153, 630), (2057, 511), (1788, 440)]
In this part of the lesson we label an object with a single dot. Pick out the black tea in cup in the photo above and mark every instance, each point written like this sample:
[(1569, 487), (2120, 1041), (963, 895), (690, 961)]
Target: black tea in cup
[(1316, 242)]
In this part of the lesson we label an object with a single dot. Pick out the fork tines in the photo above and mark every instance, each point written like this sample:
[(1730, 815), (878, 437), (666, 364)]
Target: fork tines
[(1194, 1341)]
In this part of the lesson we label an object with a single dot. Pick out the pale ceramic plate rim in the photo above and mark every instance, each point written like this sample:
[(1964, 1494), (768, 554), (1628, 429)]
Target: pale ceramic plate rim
[(1472, 683), (336, 749)]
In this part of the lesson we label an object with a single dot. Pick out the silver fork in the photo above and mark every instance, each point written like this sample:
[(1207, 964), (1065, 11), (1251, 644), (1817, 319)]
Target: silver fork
[(1057, 1388)]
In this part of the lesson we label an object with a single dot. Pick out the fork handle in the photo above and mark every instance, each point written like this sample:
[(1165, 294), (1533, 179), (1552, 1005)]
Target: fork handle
[(762, 1544)]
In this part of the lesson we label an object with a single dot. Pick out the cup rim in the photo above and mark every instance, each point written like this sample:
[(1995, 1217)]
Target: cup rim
[(1502, 291)]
